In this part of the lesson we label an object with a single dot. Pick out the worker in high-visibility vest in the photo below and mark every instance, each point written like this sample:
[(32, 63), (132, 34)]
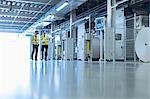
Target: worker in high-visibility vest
[(35, 43), (44, 41)]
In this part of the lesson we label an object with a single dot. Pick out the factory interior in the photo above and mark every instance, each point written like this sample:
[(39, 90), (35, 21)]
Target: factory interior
[(74, 49)]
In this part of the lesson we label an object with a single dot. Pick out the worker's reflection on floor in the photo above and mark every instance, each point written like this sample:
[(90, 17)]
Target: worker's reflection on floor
[(39, 80), (62, 80), (34, 80)]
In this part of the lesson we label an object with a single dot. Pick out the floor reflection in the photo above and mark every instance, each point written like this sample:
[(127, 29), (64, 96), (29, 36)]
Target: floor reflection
[(77, 80)]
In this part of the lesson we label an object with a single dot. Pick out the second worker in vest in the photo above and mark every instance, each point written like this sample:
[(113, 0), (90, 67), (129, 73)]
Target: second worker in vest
[(44, 41)]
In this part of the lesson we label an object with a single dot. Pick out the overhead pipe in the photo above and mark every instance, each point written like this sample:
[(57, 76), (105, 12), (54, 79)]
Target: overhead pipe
[(28, 1), (35, 15), (17, 14), (53, 12)]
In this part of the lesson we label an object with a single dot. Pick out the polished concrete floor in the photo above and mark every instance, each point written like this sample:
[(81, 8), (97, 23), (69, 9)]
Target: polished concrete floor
[(74, 80)]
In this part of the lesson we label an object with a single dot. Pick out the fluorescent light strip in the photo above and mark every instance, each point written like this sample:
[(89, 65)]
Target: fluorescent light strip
[(47, 18), (62, 6)]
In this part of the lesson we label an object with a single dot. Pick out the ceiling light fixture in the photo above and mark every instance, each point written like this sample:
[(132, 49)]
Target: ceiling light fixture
[(18, 4), (46, 23), (13, 3), (8, 3), (47, 18), (4, 2), (23, 4), (53, 17), (62, 6)]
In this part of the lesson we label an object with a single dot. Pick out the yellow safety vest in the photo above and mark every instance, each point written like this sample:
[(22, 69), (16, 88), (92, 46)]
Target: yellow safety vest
[(44, 39), (35, 40)]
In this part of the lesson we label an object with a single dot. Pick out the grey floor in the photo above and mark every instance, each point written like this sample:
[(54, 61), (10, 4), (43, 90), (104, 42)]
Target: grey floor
[(76, 80)]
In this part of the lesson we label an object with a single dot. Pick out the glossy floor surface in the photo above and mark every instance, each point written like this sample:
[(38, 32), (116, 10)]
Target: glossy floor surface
[(75, 80), (21, 78)]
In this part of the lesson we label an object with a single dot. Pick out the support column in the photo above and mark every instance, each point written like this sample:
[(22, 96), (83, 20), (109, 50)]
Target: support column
[(109, 14), (61, 50), (114, 29), (111, 23), (73, 31), (149, 13), (101, 46), (105, 40), (91, 38), (125, 40), (108, 33), (134, 36), (149, 18), (72, 27), (53, 42), (49, 44)]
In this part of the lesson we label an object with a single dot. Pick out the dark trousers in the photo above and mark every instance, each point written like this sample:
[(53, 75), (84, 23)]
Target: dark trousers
[(35, 50), (46, 49)]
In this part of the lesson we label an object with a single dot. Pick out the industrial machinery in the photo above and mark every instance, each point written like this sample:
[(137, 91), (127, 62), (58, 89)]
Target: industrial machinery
[(142, 44), (84, 40), (105, 39), (96, 46), (100, 30), (87, 44), (142, 39), (83, 46), (59, 50), (81, 42), (135, 21), (67, 45), (57, 46), (50, 47), (120, 32)]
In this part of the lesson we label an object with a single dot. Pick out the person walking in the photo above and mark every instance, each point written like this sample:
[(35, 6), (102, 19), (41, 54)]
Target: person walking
[(44, 40), (35, 44)]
